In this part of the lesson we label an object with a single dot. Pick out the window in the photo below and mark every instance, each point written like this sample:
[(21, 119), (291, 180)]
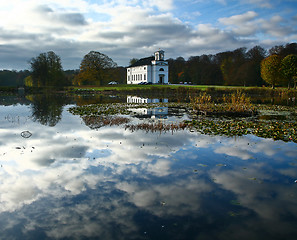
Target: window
[(144, 68), (161, 69), (144, 76)]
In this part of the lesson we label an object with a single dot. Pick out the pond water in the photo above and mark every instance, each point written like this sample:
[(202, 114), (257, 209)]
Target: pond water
[(60, 179)]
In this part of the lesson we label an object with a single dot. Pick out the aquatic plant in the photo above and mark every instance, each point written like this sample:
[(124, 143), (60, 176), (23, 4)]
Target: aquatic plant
[(99, 109), (95, 122), (285, 131), (267, 124), (235, 104), (157, 127)]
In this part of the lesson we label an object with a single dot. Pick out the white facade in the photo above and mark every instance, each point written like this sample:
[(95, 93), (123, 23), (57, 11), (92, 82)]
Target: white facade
[(149, 70)]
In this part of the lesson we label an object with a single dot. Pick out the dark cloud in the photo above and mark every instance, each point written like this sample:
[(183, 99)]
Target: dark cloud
[(71, 19), (132, 33)]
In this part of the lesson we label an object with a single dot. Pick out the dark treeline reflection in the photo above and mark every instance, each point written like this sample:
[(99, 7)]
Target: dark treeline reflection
[(47, 108)]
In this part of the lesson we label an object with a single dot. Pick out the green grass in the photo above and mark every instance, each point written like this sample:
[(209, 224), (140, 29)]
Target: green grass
[(121, 87), (124, 87)]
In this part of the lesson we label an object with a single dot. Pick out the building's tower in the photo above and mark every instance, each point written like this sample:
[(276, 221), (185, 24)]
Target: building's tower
[(159, 55), (159, 69)]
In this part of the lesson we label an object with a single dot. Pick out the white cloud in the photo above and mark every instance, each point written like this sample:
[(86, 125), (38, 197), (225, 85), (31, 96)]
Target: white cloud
[(239, 19), (111, 173), (276, 27), (261, 3), (164, 5), (126, 29)]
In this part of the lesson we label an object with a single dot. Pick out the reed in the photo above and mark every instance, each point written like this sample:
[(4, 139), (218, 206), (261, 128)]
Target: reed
[(232, 104)]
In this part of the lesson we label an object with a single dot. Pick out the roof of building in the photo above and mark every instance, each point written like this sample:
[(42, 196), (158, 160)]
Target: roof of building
[(143, 62)]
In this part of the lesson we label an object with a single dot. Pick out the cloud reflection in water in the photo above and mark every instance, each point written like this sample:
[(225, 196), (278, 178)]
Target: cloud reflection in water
[(71, 181)]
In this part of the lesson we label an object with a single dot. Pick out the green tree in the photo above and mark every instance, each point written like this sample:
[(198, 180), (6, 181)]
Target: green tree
[(227, 70), (96, 69), (289, 69), (270, 70), (47, 70), (133, 60), (252, 69), (231, 63)]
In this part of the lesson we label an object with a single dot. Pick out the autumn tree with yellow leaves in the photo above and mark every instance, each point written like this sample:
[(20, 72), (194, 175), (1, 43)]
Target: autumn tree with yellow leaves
[(96, 69)]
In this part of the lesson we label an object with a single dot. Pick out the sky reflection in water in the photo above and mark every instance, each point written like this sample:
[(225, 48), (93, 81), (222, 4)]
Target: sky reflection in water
[(71, 182)]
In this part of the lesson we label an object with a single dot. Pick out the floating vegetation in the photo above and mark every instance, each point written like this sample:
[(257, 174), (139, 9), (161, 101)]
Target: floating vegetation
[(100, 109), (117, 108), (284, 130), (202, 165), (233, 214), (253, 178), (95, 122), (264, 125), (234, 202), (221, 165), (157, 127)]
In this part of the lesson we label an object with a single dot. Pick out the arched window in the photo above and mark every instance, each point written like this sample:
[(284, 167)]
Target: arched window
[(161, 70)]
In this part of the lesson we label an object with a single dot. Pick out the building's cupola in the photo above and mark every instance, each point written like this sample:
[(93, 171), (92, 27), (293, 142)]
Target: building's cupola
[(159, 55)]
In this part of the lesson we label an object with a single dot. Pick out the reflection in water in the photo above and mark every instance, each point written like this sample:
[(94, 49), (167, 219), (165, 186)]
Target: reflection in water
[(136, 99), (71, 182), (153, 113), (47, 108)]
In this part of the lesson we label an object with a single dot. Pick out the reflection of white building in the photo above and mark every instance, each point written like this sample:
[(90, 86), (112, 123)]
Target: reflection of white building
[(149, 70), (135, 99), (157, 112)]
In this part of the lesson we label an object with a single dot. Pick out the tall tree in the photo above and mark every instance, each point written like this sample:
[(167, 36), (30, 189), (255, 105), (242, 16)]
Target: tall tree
[(227, 70), (47, 70), (96, 69), (289, 69), (133, 60), (253, 66), (283, 51), (270, 70)]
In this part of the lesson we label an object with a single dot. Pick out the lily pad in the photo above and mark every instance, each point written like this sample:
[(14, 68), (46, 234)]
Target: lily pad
[(234, 202)]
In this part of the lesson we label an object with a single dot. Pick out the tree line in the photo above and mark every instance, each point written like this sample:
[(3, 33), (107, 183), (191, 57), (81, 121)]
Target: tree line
[(241, 67)]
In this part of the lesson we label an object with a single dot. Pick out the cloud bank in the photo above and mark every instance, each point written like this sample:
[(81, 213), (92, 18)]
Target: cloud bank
[(128, 29)]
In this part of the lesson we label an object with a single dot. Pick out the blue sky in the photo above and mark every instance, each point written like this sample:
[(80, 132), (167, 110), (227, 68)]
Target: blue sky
[(125, 29)]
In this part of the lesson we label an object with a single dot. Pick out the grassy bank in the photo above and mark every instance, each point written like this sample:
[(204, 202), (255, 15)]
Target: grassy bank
[(183, 93), (187, 88)]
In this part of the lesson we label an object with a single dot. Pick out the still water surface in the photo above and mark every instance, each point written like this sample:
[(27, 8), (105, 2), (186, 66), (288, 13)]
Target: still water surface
[(68, 181)]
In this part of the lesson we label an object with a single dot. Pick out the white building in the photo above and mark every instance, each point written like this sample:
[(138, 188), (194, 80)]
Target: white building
[(152, 70)]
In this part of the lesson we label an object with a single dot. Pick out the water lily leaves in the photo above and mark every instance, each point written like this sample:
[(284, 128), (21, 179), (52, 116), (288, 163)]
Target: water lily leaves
[(221, 165), (234, 202), (253, 178), (233, 214), (281, 129), (285, 131), (202, 165)]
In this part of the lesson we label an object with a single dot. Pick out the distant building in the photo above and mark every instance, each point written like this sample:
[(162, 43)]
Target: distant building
[(152, 70)]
